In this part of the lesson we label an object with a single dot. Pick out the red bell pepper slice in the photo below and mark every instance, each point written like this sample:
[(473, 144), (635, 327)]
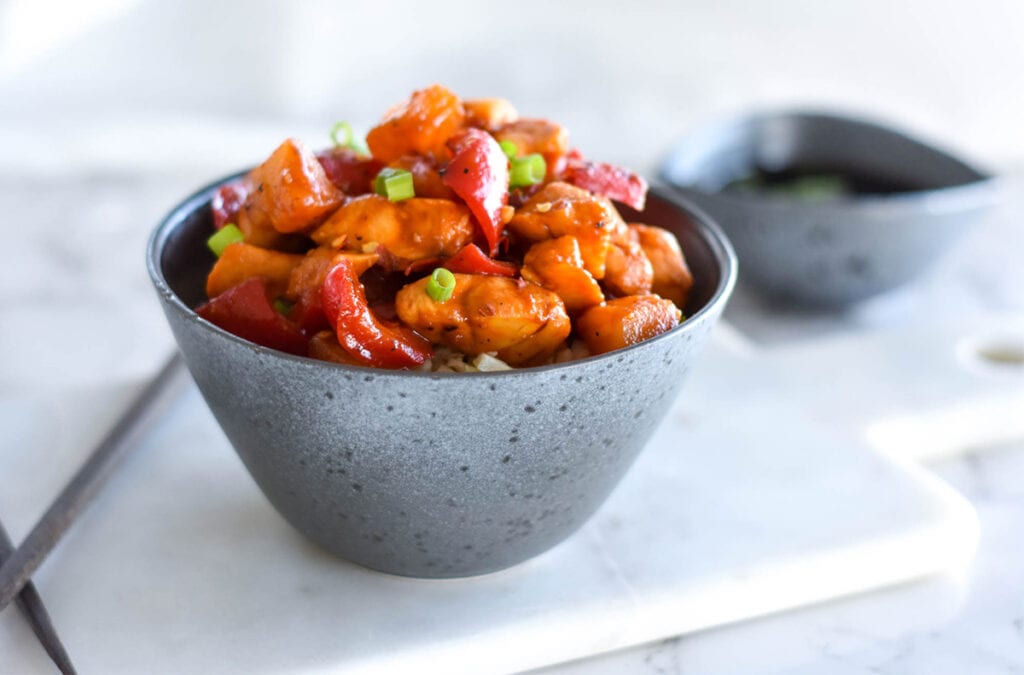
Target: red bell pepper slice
[(350, 172), (478, 173), (227, 202), (308, 313), (609, 180), (245, 311), (358, 330), (471, 260)]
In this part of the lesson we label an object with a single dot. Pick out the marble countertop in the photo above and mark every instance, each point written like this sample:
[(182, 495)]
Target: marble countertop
[(54, 276), (80, 199), (972, 622)]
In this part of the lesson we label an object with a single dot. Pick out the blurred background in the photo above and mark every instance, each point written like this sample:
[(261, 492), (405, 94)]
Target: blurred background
[(193, 84), (112, 110)]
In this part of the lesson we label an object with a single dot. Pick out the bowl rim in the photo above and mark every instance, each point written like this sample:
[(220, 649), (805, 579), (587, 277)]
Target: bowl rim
[(977, 192), (718, 243)]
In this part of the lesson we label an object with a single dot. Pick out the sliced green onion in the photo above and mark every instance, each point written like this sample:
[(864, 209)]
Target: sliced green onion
[(395, 184), (441, 285), (509, 148), (282, 306), (528, 170), (224, 237), (343, 136)]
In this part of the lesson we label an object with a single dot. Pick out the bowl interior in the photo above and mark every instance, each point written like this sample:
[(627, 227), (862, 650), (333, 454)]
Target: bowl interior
[(800, 142), (183, 260)]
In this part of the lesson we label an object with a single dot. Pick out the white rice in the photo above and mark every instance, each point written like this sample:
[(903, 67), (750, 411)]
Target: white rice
[(451, 361)]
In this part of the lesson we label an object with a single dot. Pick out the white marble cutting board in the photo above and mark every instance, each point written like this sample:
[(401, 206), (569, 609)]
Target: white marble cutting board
[(921, 392), (751, 498)]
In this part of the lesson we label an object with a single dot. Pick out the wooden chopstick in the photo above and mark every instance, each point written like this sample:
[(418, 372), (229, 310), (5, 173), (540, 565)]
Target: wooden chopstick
[(80, 490), (31, 606)]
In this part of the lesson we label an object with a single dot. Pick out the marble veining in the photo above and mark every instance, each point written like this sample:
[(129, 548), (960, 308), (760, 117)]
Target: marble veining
[(966, 622)]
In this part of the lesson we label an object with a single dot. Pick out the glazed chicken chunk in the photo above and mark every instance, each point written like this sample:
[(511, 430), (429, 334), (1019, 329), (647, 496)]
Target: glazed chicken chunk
[(519, 320), (457, 236), (626, 321), (556, 264), (560, 209), (410, 230)]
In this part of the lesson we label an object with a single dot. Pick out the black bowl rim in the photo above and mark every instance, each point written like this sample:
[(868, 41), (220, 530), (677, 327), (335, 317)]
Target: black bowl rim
[(718, 243), (977, 192)]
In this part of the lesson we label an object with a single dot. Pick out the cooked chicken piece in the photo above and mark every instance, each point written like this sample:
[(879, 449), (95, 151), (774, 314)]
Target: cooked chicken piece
[(409, 230), (628, 270), (261, 233), (560, 209), (313, 268), (290, 191), (426, 179), (421, 125), (521, 321), (625, 321), (556, 265), (672, 278), (489, 113), (241, 261), (540, 136)]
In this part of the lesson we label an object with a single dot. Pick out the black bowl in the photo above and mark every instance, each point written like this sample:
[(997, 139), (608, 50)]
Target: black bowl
[(920, 201), (435, 474)]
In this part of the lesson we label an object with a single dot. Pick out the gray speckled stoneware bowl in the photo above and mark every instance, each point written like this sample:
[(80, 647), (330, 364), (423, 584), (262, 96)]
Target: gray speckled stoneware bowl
[(435, 474), (830, 254)]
